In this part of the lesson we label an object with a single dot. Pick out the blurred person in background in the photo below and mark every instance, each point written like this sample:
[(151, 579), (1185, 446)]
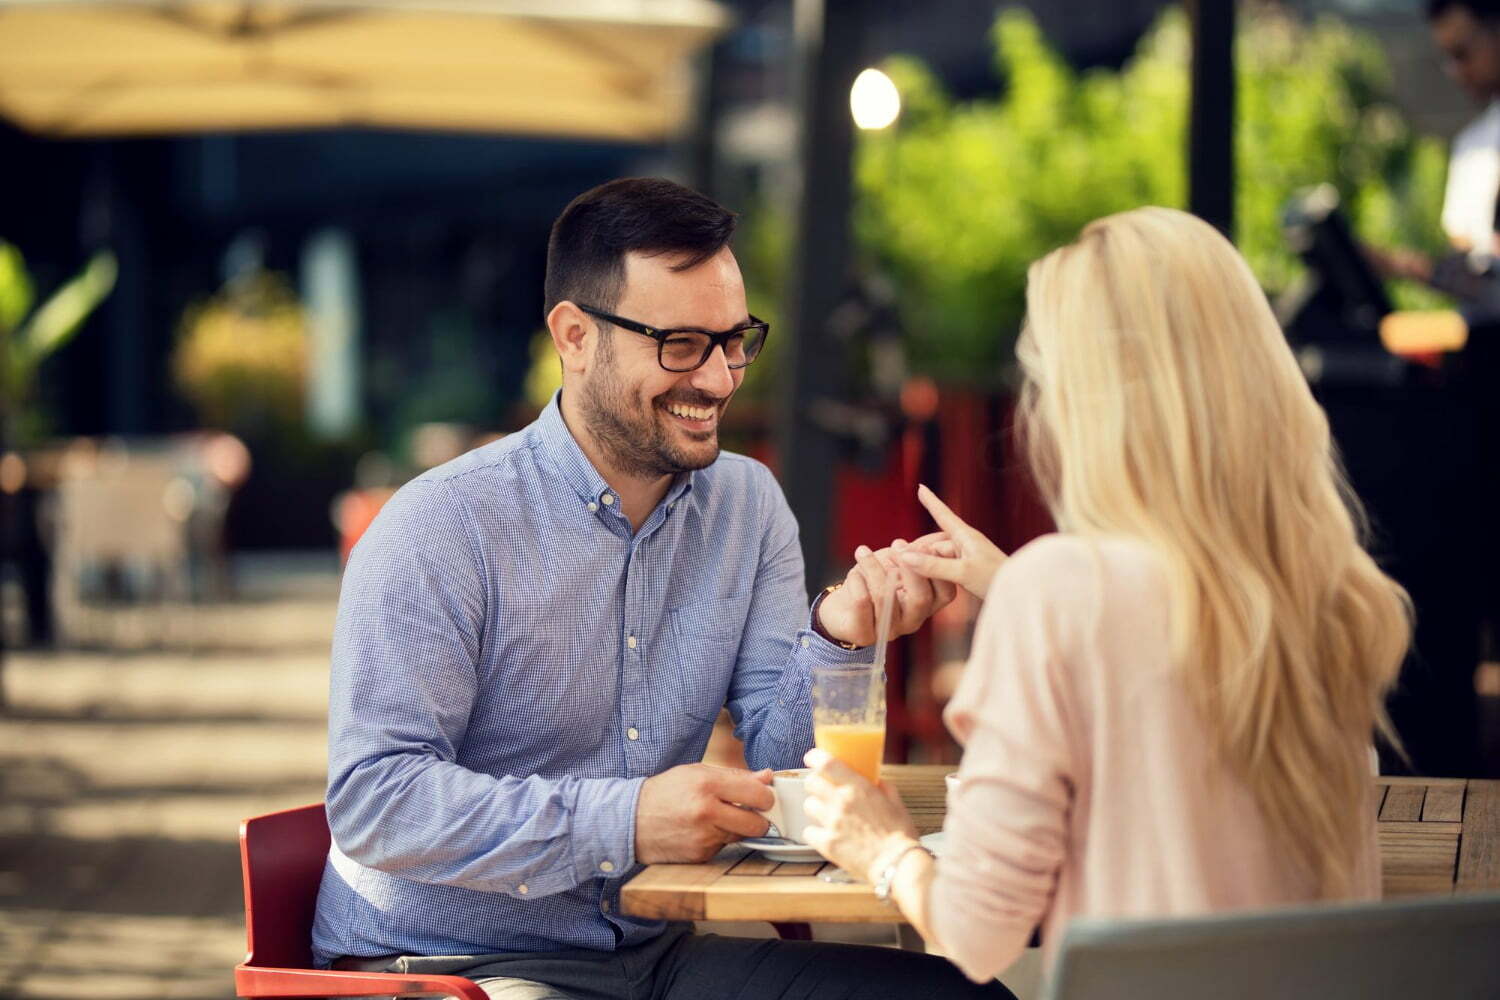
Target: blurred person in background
[(1435, 706), (1168, 707), (535, 639)]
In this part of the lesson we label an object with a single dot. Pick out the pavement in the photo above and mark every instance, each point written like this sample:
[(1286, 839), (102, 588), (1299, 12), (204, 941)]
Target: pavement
[(124, 773)]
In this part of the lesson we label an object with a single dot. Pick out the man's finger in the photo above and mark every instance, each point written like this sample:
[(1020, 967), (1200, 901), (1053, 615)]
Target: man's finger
[(733, 785), (737, 822), (877, 580)]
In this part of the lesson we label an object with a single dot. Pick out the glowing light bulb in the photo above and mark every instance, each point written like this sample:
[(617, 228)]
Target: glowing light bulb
[(874, 100)]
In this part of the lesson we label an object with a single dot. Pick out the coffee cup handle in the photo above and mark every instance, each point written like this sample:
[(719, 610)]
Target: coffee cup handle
[(774, 816)]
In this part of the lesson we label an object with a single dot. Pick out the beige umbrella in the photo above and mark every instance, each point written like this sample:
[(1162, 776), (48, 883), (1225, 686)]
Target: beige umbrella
[(611, 69)]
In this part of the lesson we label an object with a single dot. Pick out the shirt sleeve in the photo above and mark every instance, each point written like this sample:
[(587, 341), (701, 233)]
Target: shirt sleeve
[(403, 683), (1473, 180), (770, 696), (1006, 831)]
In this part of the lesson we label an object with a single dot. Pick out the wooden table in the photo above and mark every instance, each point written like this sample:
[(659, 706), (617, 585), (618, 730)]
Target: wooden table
[(1437, 835)]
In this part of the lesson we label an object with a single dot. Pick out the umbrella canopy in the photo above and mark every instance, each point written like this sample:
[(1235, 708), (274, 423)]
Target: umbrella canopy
[(610, 69)]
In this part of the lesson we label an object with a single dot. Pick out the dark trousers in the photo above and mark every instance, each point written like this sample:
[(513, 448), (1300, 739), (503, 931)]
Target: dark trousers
[(681, 965)]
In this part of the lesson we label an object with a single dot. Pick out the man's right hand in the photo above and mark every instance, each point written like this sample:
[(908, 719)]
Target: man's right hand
[(689, 812)]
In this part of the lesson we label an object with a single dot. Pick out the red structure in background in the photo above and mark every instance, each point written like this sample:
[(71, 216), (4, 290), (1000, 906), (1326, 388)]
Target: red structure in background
[(962, 444)]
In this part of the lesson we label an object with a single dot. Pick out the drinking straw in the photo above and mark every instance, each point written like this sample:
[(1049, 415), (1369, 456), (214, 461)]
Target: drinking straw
[(882, 639)]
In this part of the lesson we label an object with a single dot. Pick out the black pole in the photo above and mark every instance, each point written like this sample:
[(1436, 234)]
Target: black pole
[(828, 41), (1211, 121), (700, 153)]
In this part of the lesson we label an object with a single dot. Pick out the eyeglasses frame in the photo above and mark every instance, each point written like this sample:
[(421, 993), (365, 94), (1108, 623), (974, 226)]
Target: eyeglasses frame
[(715, 339)]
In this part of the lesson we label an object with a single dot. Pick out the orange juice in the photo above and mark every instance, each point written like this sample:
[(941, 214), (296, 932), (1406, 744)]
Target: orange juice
[(860, 746)]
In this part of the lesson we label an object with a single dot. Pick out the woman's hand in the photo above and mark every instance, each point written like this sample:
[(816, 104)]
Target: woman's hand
[(965, 557), (859, 827)]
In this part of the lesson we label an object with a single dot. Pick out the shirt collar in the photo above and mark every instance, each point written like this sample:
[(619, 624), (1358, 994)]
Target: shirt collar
[(558, 443)]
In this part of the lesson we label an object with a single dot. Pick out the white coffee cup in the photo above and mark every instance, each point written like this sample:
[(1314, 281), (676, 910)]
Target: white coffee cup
[(951, 780), (787, 813)]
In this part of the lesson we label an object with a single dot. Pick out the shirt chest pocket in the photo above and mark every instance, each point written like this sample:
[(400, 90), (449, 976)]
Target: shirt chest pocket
[(705, 644)]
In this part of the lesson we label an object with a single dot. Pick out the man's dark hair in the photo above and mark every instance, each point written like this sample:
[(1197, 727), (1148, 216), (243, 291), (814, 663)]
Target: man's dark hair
[(1483, 10), (586, 252)]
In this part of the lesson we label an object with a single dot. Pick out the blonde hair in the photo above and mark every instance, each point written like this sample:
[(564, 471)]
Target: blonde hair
[(1162, 402)]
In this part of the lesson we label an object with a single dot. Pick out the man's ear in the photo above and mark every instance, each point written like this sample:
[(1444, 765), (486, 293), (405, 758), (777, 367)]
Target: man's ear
[(572, 332)]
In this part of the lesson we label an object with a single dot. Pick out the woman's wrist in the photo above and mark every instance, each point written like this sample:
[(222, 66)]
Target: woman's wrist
[(893, 852)]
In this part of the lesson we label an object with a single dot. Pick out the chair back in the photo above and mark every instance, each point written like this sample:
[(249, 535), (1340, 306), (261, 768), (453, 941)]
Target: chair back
[(1446, 946), (282, 856)]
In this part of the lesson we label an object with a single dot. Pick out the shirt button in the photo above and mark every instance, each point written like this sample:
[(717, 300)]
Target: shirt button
[(630, 642), (606, 866), (669, 508), (608, 499), (593, 506), (604, 905), (522, 889), (634, 734), (804, 642)]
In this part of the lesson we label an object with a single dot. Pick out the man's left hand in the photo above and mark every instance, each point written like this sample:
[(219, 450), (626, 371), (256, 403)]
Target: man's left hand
[(849, 613)]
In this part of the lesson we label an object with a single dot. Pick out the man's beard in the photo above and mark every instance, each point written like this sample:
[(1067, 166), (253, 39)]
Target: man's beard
[(638, 445)]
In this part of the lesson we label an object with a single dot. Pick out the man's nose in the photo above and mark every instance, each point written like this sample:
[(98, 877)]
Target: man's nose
[(714, 376)]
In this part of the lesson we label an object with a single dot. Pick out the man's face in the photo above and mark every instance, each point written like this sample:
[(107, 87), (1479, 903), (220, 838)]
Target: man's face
[(1470, 48), (649, 421)]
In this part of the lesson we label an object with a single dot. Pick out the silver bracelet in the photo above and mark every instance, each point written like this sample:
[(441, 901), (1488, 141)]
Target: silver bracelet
[(888, 875)]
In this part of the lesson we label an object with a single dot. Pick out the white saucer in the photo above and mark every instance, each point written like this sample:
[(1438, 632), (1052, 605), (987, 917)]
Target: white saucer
[(934, 842), (777, 849)]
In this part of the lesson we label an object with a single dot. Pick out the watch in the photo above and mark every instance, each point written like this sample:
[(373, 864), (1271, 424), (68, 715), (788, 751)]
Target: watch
[(817, 624), (888, 873)]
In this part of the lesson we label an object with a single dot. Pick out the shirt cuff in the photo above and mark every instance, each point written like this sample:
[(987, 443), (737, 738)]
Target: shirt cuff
[(604, 827)]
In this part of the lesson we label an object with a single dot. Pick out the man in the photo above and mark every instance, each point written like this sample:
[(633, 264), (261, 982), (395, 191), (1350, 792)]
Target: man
[(534, 640), (1467, 32)]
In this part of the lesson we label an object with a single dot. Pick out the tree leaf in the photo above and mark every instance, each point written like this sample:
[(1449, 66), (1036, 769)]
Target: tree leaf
[(16, 292), (55, 322)]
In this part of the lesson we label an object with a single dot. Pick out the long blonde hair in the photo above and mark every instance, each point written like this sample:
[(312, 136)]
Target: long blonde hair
[(1161, 401)]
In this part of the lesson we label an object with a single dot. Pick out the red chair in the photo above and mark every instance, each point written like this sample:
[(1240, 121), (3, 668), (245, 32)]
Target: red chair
[(282, 856)]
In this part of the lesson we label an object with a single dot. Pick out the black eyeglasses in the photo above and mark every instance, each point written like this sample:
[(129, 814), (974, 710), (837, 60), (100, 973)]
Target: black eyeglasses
[(686, 348)]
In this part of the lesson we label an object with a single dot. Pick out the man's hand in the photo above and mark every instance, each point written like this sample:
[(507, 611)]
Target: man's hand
[(690, 811), (1399, 263), (849, 613)]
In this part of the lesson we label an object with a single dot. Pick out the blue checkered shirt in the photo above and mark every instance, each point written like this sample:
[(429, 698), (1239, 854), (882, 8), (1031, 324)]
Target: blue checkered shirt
[(512, 661)]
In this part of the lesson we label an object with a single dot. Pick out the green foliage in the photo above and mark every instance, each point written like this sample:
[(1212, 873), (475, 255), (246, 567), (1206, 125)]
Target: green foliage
[(957, 200), (29, 336)]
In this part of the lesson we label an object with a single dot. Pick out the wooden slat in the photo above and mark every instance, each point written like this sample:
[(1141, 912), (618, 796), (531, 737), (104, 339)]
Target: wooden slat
[(796, 869), (675, 892), (1380, 794), (1404, 802), (1396, 884), (1424, 829), (753, 864), (1444, 804), (795, 899), (1399, 780), (1479, 849)]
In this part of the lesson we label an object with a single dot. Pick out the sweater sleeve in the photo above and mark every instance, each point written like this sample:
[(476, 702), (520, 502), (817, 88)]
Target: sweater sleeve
[(1006, 832)]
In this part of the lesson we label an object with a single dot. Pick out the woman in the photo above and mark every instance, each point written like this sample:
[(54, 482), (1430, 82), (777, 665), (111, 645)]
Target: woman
[(1169, 705)]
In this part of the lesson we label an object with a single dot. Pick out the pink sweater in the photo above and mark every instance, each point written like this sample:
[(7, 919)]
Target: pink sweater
[(1087, 788)]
